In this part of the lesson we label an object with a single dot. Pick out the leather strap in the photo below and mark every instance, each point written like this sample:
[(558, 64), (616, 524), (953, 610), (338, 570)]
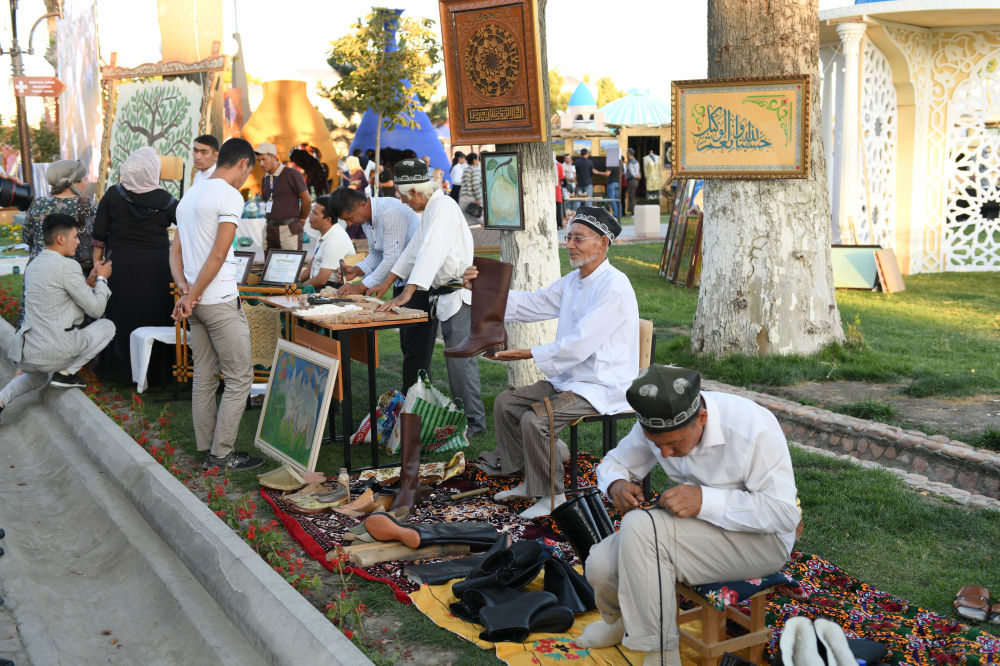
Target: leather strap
[(552, 453)]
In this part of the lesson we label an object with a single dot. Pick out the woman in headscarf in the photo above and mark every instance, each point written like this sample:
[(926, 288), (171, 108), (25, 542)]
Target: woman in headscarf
[(130, 230), (354, 174), (65, 179)]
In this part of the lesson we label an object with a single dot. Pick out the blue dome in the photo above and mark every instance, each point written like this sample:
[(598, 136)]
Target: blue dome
[(865, 2), (582, 96)]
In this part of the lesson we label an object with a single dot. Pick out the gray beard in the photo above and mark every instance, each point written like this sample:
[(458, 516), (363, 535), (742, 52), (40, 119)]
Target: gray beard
[(582, 261)]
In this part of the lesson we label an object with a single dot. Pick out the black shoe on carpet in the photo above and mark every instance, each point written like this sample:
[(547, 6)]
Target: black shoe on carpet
[(63, 380), (237, 461)]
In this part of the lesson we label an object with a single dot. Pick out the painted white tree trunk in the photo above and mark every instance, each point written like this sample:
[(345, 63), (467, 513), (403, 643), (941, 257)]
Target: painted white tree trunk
[(767, 279), (534, 251)]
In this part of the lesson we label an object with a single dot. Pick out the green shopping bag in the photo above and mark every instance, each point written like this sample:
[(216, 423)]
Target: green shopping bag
[(442, 421)]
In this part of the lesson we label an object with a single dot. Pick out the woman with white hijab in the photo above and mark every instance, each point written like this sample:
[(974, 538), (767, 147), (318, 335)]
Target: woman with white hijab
[(131, 231)]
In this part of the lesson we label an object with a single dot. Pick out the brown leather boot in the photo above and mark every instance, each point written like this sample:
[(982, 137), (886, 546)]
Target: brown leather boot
[(409, 461), (489, 301)]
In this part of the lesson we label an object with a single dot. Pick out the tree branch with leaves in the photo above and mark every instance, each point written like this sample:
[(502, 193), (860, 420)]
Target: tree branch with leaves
[(383, 65)]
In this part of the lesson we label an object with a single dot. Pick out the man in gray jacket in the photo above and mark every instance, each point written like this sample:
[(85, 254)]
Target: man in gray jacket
[(51, 339)]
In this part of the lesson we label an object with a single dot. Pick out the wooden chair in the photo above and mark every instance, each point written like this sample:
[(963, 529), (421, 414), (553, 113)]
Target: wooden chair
[(183, 369), (267, 325), (714, 640), (609, 422)]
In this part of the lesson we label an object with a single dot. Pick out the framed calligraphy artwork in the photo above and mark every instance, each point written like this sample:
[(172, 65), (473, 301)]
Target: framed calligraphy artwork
[(741, 128), (492, 64)]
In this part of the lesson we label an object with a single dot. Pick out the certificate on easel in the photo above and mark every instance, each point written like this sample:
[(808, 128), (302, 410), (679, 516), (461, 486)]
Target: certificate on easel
[(283, 267)]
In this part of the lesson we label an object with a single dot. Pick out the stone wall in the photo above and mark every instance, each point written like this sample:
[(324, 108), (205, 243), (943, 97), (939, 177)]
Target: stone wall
[(927, 458)]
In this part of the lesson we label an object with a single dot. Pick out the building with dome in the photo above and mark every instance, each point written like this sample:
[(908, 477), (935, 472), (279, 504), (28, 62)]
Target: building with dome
[(581, 112), (911, 129)]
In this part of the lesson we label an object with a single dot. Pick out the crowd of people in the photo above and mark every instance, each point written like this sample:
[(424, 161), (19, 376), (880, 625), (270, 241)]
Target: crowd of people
[(732, 513)]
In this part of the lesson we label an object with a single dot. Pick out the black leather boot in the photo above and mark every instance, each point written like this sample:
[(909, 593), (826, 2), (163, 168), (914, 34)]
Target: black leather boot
[(477, 535), (572, 589), (577, 524), (437, 573), (513, 567), (514, 620), (476, 599), (599, 513)]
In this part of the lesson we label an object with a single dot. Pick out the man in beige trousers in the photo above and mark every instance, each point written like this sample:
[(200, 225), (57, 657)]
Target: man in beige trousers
[(731, 516), (204, 269)]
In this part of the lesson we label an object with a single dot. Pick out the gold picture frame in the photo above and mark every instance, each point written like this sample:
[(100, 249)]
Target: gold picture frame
[(741, 128)]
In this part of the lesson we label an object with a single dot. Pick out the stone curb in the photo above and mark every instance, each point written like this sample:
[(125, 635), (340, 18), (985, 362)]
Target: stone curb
[(915, 481), (275, 619), (932, 457)]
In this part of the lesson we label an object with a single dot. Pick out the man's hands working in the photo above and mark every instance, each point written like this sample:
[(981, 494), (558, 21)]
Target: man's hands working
[(683, 501), (348, 274)]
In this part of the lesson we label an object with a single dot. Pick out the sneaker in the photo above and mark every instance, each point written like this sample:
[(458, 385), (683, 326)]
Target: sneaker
[(237, 461), (64, 380)]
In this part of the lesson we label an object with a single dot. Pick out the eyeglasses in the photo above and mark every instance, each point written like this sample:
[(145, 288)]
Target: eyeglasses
[(577, 239)]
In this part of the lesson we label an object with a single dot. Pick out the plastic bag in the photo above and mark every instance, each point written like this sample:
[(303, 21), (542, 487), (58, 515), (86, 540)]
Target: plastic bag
[(442, 422), (390, 404)]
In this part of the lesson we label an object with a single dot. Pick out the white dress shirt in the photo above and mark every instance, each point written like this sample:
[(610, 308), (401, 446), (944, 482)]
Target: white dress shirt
[(742, 465), (596, 351), (439, 253), (203, 175), (392, 226), (333, 246)]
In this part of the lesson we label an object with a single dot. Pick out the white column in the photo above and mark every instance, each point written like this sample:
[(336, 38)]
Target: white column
[(846, 184), (828, 72)]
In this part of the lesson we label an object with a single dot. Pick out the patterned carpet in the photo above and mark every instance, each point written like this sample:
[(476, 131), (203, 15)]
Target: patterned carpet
[(913, 635)]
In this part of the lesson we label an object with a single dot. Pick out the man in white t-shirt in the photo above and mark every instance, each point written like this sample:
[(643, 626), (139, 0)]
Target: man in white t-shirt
[(204, 269), (334, 245), (205, 153)]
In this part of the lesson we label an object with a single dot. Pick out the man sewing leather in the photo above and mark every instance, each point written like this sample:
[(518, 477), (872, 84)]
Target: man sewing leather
[(731, 515)]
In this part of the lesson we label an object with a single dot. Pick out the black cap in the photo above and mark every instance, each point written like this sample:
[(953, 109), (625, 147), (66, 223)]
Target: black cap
[(410, 171), (599, 220), (665, 397)]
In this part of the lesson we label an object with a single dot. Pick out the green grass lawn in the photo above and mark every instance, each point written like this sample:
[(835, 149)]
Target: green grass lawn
[(930, 337)]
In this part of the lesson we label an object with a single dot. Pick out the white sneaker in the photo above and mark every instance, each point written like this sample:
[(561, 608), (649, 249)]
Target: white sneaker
[(600, 634), (542, 507), (514, 493)]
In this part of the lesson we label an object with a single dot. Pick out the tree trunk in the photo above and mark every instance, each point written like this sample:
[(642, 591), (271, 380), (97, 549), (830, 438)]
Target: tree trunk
[(767, 280), (534, 251)]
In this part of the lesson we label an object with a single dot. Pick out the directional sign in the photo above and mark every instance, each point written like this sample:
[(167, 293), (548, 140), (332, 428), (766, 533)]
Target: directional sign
[(38, 86)]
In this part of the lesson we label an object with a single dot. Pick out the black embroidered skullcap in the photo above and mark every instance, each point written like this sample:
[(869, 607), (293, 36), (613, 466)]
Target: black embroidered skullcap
[(599, 220), (410, 171), (665, 397)]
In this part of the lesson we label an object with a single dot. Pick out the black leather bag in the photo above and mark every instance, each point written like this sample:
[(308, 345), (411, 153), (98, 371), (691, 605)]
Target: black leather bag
[(474, 209)]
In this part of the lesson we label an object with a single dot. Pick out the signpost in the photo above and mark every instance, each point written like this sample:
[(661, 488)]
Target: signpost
[(38, 86)]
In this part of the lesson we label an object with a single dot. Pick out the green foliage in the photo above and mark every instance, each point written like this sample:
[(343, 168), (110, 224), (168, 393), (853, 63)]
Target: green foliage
[(988, 439), (44, 140), (558, 98), (607, 91), (389, 82)]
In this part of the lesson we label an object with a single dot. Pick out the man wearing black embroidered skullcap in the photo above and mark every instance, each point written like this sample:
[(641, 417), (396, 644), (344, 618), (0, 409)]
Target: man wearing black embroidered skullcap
[(731, 516), (588, 367)]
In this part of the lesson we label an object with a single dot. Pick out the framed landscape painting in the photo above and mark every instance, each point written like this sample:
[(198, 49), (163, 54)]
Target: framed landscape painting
[(741, 128), (502, 191), (295, 405)]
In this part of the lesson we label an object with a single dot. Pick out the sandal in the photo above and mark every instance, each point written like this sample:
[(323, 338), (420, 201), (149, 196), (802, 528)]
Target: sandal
[(973, 603)]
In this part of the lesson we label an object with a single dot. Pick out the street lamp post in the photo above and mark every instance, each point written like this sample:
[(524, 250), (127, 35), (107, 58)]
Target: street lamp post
[(17, 69)]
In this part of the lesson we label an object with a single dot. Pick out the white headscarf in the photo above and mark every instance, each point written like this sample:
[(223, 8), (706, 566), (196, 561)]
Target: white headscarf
[(141, 171)]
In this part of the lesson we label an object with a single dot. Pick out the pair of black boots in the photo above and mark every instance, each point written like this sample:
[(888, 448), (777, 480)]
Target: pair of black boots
[(584, 521), (491, 594)]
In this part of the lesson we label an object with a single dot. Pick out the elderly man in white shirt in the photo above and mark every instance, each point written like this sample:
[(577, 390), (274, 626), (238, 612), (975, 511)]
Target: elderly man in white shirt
[(434, 262), (588, 367), (732, 515)]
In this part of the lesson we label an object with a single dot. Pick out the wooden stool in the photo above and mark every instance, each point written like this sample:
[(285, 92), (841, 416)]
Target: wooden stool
[(713, 642)]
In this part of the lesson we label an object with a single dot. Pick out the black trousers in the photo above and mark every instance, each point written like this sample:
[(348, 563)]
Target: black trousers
[(416, 342)]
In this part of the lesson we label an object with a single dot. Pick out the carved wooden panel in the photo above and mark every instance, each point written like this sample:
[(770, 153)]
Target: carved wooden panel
[(493, 69)]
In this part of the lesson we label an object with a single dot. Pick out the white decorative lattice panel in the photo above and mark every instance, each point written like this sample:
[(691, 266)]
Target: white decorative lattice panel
[(972, 188), (876, 209)]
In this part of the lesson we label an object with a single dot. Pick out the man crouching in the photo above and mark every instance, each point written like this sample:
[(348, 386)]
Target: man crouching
[(56, 297), (731, 516)]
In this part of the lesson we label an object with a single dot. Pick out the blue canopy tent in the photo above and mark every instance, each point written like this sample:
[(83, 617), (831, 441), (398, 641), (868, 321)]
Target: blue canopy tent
[(423, 140)]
